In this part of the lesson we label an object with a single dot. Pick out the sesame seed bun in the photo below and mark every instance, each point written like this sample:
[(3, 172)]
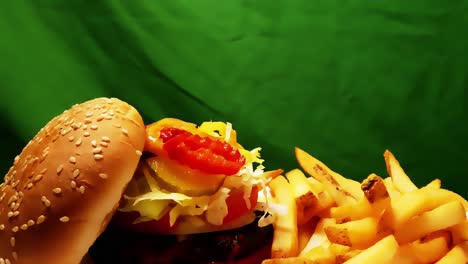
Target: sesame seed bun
[(66, 184)]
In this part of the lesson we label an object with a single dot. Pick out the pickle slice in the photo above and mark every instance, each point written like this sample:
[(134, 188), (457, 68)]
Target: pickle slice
[(178, 178)]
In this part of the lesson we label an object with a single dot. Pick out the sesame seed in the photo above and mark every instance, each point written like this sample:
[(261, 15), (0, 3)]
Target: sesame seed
[(104, 144), (12, 199), (72, 160), (64, 132), (89, 114), (105, 139), (64, 219), (17, 205), (30, 222), (57, 190), (98, 156), (44, 155), (12, 241), (30, 185), (94, 127), (14, 184), (93, 143), (24, 226), (78, 142), (86, 134), (82, 189), (2, 261), (45, 201), (103, 175), (73, 184), (71, 138), (124, 131), (139, 153), (10, 214), (97, 150), (16, 213), (15, 229), (85, 127), (59, 169), (117, 125), (100, 118), (108, 117), (7, 261), (75, 126), (2, 227), (40, 219), (15, 255), (76, 172), (43, 171), (87, 121), (38, 178)]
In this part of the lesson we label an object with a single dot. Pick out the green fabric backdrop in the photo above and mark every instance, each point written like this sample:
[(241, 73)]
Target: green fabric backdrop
[(344, 80)]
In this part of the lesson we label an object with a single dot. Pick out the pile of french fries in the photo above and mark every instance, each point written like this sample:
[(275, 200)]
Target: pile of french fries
[(333, 219)]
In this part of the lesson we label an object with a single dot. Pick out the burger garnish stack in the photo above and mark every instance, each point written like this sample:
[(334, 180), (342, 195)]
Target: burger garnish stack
[(97, 182)]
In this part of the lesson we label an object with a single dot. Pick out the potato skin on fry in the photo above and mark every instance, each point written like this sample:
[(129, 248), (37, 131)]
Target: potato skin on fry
[(374, 188)]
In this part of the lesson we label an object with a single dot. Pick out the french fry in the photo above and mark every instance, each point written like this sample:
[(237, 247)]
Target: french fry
[(442, 217), (432, 248), (405, 255), (460, 232), (320, 255), (374, 188), (381, 252), (458, 254), (417, 202), (337, 249), (309, 203), (357, 234), (341, 258), (434, 184), (341, 196), (285, 240), (392, 191), (292, 260), (350, 212), (319, 237), (315, 185), (305, 232), (318, 170), (273, 173), (402, 182)]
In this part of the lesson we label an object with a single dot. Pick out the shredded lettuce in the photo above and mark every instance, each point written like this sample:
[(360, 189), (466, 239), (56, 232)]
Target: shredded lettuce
[(216, 129), (217, 209)]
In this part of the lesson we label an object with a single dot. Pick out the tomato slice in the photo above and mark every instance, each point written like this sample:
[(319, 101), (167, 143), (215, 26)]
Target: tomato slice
[(202, 153), (237, 206)]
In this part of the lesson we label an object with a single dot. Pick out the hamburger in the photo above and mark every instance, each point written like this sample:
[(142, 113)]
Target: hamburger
[(98, 185)]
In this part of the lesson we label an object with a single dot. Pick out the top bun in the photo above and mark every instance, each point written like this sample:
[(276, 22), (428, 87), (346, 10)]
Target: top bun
[(64, 187)]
